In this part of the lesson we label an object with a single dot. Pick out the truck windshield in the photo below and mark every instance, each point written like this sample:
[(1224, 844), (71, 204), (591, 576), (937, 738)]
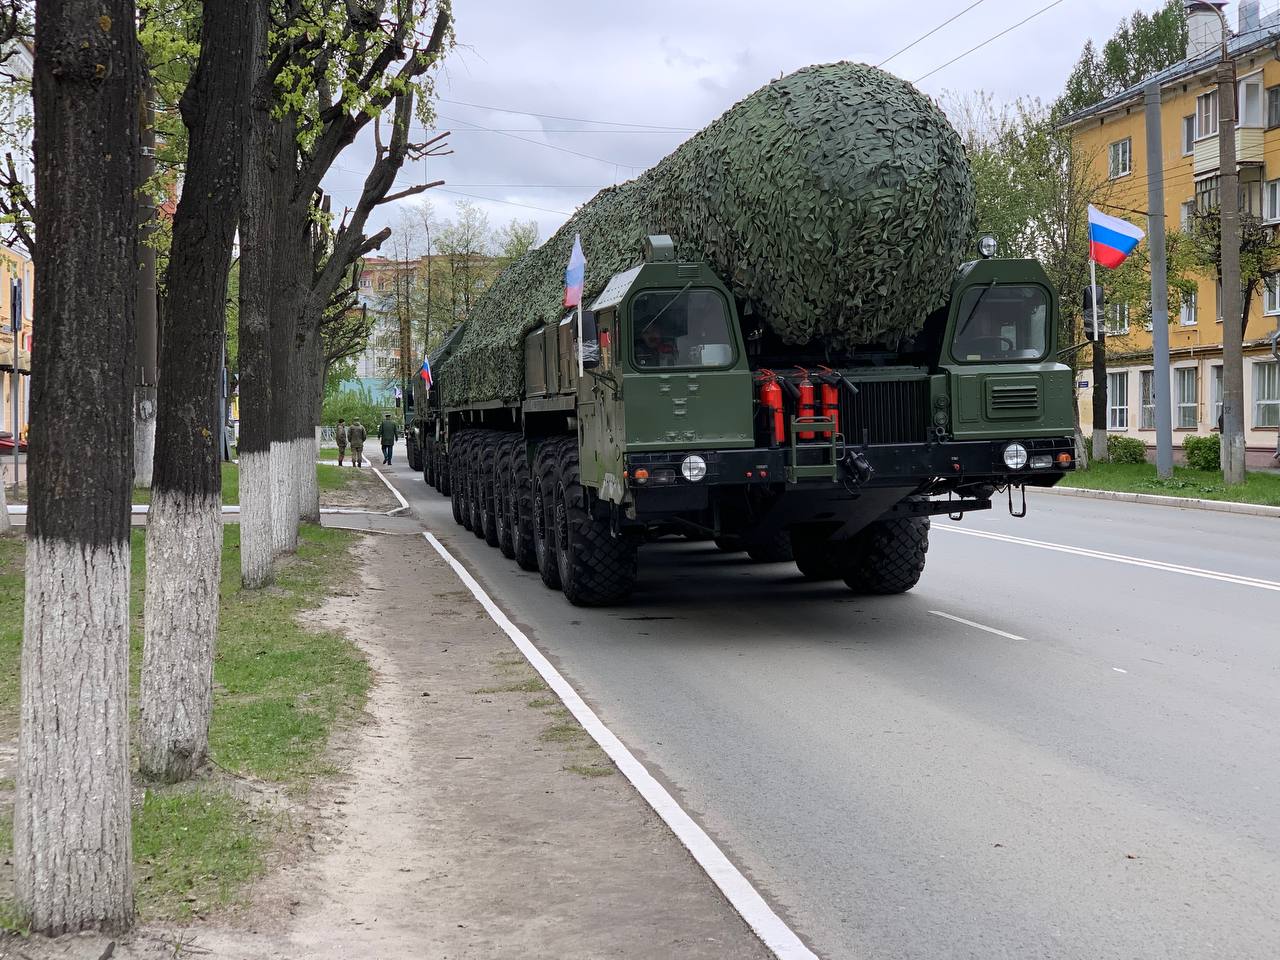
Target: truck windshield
[(680, 328), (1001, 323)]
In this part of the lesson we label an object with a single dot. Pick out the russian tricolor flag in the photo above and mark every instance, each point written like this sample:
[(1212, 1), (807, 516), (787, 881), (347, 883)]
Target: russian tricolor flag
[(575, 275), (425, 372), (1110, 238)]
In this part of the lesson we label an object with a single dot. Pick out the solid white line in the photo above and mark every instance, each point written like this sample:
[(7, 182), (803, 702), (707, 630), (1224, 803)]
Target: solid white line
[(402, 501), (1119, 670), (977, 626), (1120, 558), (769, 927)]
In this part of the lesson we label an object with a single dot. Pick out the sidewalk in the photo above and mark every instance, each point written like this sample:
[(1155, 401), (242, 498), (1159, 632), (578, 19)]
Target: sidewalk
[(477, 819)]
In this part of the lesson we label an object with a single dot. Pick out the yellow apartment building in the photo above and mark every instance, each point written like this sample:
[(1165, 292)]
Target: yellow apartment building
[(15, 265), (1112, 135)]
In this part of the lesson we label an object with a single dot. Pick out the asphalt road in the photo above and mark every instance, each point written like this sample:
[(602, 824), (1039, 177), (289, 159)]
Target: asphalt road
[(1035, 753)]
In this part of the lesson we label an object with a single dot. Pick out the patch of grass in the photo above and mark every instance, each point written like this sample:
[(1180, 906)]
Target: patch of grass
[(283, 687), (12, 556), (1261, 488), (565, 732), (591, 769), (331, 477), (193, 850), (532, 685), (539, 702)]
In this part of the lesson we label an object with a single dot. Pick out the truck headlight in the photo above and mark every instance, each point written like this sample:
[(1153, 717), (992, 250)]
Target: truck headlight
[(693, 467), (1015, 456)]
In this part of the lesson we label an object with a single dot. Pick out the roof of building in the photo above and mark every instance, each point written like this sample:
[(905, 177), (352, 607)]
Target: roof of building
[(1240, 44)]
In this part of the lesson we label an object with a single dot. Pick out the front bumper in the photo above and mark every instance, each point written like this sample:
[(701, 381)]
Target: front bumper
[(656, 485)]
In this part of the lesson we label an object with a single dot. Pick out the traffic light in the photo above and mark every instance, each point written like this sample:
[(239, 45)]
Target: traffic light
[(1093, 306)]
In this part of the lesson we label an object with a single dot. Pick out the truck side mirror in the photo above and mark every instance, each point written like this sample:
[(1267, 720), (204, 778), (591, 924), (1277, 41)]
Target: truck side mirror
[(590, 345), (1091, 305)]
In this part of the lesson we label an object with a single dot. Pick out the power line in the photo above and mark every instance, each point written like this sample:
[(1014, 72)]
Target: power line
[(930, 33), (549, 146), (651, 133), (549, 116), (510, 203), (1043, 9)]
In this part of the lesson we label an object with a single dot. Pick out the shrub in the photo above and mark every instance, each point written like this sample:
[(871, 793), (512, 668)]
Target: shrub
[(1126, 449), (1203, 453)]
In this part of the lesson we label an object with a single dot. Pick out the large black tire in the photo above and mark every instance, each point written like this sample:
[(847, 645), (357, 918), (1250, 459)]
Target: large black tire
[(597, 569), (888, 556), (545, 470), (457, 478), (502, 516), (444, 482), (485, 463), (475, 505), (414, 452), (776, 550), (729, 543), (816, 558), (428, 461), (521, 505)]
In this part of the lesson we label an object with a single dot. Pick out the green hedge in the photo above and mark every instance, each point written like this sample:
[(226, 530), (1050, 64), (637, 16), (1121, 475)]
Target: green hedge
[(1126, 449), (1203, 453), (835, 202)]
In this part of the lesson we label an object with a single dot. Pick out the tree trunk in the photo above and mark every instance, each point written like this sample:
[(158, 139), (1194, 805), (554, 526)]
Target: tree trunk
[(310, 398), (257, 216), (71, 812), (291, 280), (184, 527), (145, 372), (6, 525)]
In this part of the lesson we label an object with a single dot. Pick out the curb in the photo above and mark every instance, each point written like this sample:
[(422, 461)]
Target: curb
[(1185, 503)]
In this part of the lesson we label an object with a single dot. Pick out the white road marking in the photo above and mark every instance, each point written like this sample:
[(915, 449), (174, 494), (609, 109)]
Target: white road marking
[(404, 504), (1119, 670), (769, 927), (977, 626), (1120, 558)]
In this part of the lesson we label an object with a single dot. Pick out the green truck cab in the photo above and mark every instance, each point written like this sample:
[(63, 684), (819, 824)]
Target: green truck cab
[(664, 408)]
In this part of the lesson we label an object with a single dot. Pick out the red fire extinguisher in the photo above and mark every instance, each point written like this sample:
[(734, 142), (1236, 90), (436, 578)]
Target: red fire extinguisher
[(807, 406), (771, 401), (829, 395)]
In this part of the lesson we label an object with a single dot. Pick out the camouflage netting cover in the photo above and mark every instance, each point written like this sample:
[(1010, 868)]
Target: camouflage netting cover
[(835, 202)]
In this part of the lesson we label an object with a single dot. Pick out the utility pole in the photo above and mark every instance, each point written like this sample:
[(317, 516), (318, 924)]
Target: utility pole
[(146, 372), (1159, 284), (1100, 391), (1232, 322)]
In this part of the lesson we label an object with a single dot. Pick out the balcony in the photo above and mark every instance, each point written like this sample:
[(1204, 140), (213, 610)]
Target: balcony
[(1248, 150), (6, 354)]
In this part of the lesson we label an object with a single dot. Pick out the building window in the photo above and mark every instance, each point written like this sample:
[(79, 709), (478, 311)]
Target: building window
[(1266, 394), (1121, 154), (1118, 401), (1188, 135), (1186, 211), (365, 283), (1147, 386), (1207, 115), (1216, 393), (1270, 295), (1206, 195), (1188, 413), (1251, 192), (1187, 315), (1271, 206), (1273, 107), (1118, 319), (1251, 101)]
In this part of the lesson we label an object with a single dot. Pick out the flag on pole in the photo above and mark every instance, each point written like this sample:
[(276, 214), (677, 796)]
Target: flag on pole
[(425, 372), (1110, 238), (575, 275)]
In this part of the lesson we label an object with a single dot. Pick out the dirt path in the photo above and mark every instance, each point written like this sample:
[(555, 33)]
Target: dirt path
[(478, 821)]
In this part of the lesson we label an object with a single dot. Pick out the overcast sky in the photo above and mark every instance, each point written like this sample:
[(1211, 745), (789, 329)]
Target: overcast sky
[(680, 64)]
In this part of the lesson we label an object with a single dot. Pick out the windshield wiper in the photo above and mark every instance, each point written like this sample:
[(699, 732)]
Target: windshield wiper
[(976, 304)]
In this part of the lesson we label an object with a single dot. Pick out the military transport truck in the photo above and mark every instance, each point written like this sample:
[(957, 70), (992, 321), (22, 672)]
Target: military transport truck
[(690, 418)]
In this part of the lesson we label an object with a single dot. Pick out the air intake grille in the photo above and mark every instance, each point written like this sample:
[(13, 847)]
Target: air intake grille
[(1015, 398), (889, 411)]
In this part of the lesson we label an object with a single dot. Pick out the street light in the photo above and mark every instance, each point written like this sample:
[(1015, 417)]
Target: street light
[(1229, 265)]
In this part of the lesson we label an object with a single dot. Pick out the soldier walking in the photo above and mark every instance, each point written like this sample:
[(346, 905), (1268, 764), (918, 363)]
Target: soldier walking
[(356, 436), (388, 434), (340, 437)]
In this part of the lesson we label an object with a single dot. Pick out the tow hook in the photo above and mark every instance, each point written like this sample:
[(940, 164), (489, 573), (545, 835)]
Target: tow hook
[(856, 465)]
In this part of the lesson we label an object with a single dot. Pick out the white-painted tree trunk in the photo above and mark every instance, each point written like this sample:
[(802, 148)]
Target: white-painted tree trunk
[(5, 523), (257, 548), (72, 857), (308, 484), (284, 498), (144, 437), (184, 570)]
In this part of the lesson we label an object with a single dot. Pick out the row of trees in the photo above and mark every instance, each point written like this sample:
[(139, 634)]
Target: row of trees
[(255, 103)]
